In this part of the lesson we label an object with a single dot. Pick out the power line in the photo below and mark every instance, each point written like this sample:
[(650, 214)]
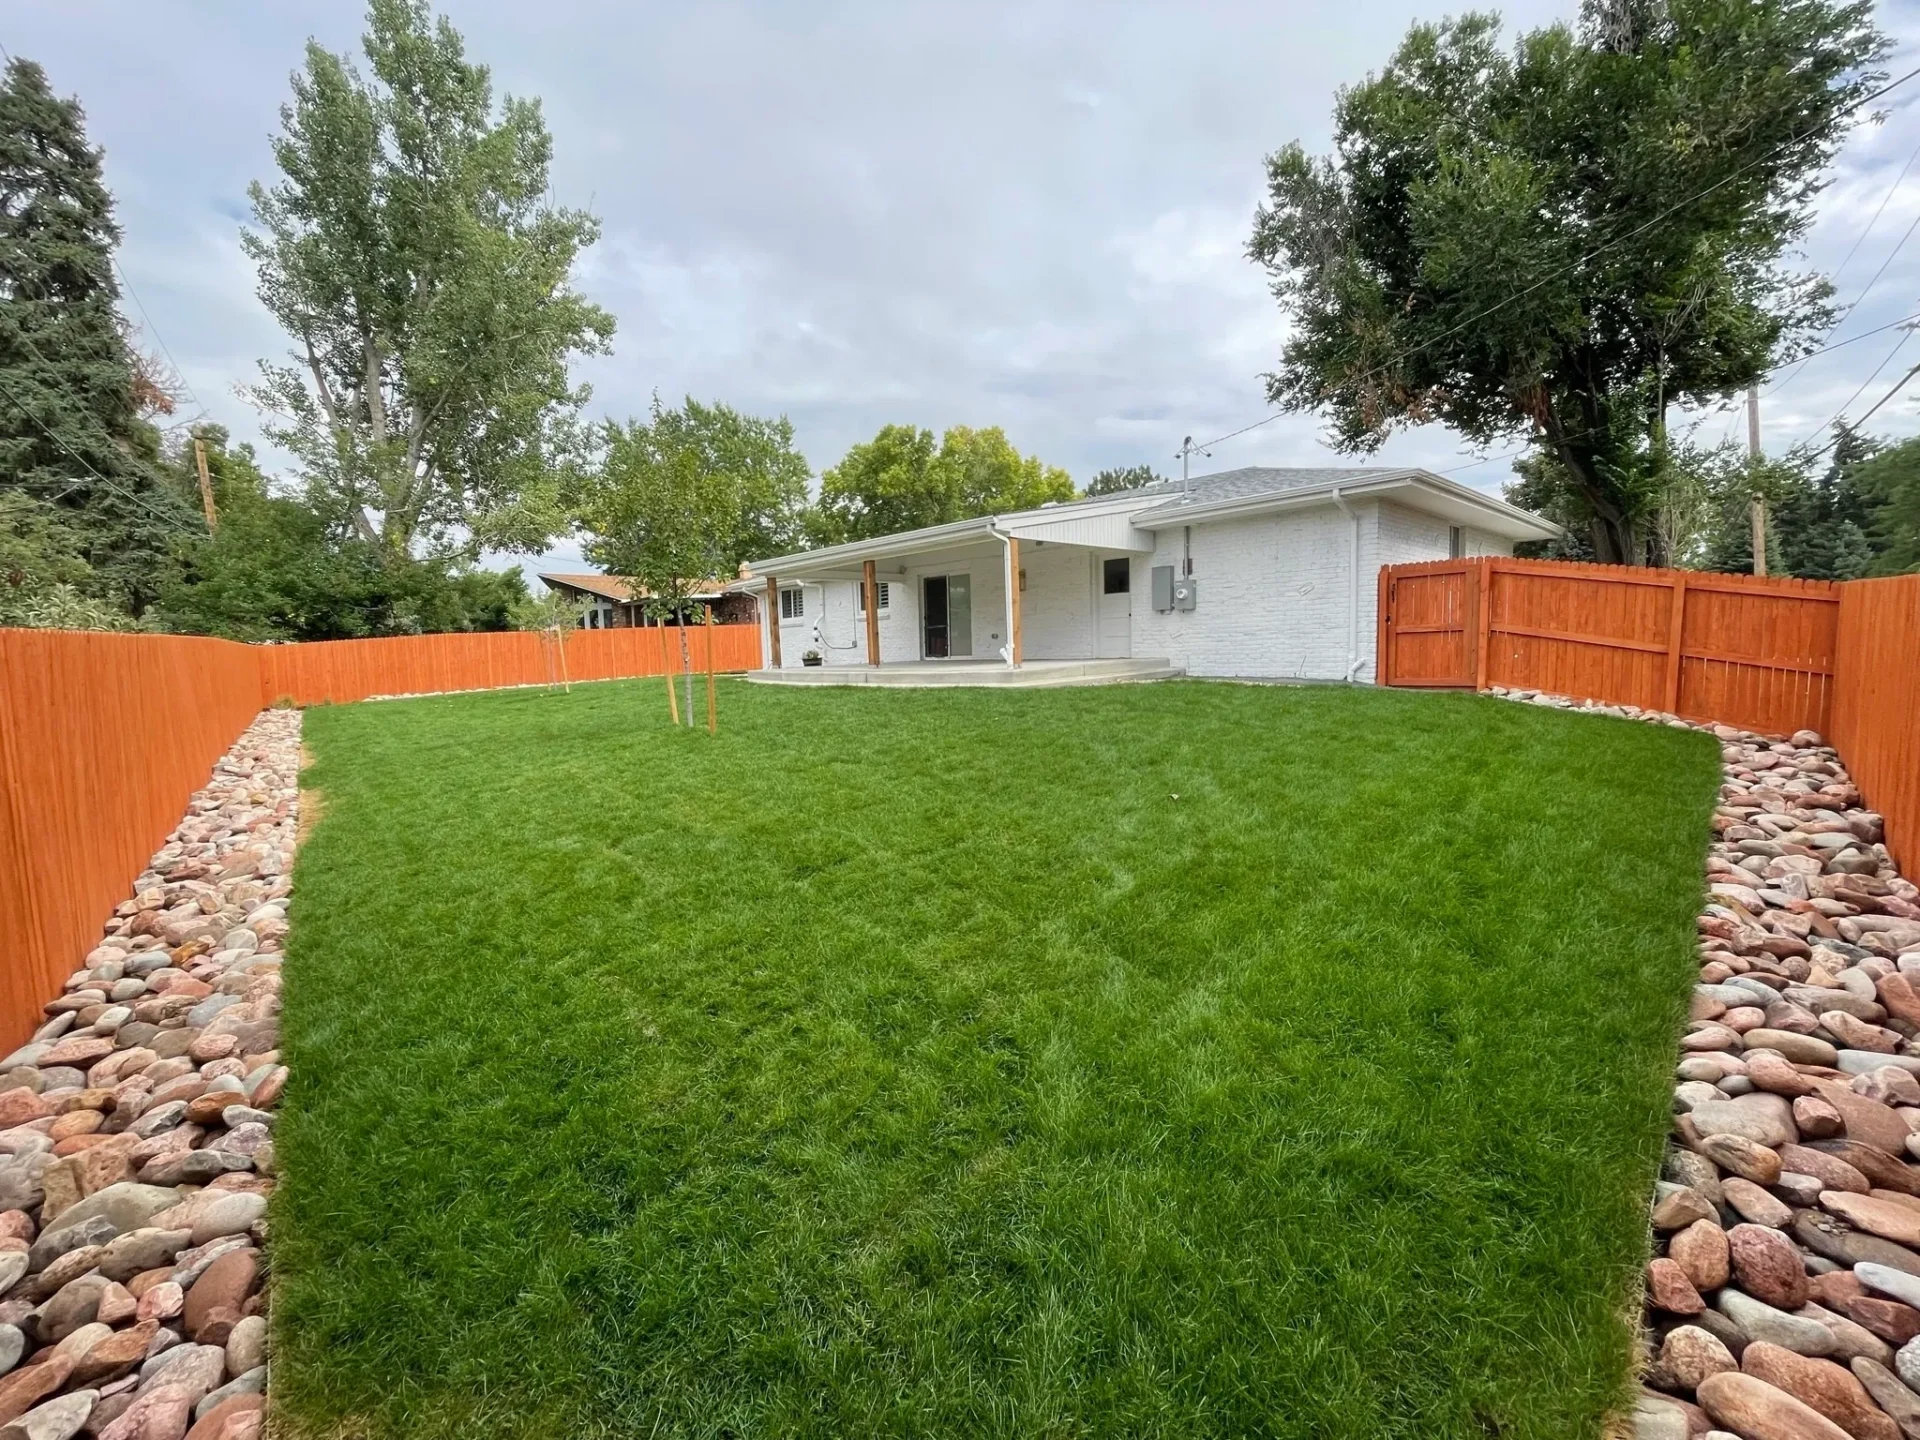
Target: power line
[(1860, 240), (126, 283), (125, 494), (1836, 416), (1898, 385), (1597, 250)]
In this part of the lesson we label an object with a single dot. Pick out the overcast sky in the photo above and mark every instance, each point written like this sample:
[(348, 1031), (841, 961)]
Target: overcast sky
[(1030, 215)]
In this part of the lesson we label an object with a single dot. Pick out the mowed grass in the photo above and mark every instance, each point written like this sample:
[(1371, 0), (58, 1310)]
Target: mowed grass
[(1177, 1060)]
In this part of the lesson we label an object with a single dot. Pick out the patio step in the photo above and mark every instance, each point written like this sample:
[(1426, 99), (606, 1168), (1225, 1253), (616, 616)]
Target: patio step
[(1033, 675)]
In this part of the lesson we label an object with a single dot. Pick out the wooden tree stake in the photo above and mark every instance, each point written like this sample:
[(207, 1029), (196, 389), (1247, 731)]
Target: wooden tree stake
[(713, 706), (666, 669)]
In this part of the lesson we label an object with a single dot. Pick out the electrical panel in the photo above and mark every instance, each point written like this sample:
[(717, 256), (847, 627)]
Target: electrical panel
[(1163, 587)]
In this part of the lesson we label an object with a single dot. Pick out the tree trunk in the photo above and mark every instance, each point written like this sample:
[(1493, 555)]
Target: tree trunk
[(1609, 528)]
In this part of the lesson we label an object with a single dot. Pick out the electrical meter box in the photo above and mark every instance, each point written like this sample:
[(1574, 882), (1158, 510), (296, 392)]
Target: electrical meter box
[(1163, 587), (1186, 593)]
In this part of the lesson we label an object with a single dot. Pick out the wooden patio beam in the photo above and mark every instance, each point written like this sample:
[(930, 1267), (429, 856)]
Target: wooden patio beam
[(773, 623), (870, 587), (1013, 598)]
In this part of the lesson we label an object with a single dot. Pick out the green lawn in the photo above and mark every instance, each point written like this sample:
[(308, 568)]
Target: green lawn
[(1177, 1060)]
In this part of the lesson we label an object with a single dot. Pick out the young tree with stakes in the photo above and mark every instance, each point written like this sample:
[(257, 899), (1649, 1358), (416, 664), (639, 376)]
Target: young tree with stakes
[(658, 514)]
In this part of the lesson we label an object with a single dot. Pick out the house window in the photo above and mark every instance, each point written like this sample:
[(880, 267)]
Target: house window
[(860, 598), (1116, 576), (1456, 542), (793, 604)]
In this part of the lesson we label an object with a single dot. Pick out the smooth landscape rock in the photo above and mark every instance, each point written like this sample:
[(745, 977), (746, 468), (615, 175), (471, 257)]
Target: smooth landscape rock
[(1901, 1404), (1760, 1321), (1701, 1251), (58, 1419), (1756, 1410), (1822, 1386), (1767, 1266)]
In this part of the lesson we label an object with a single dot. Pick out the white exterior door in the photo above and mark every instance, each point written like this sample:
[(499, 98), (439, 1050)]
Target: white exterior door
[(1114, 580)]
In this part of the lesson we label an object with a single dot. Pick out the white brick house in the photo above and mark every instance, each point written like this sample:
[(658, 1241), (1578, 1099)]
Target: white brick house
[(1254, 572)]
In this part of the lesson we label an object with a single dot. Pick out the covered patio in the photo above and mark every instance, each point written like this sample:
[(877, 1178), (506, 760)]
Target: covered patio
[(936, 674), (1035, 599)]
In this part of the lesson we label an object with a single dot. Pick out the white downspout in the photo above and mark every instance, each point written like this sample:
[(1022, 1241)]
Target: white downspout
[(1011, 580), (1353, 587)]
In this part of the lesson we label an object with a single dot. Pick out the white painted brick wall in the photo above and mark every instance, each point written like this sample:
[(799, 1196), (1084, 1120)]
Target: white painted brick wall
[(1273, 596), (1274, 589), (1057, 606)]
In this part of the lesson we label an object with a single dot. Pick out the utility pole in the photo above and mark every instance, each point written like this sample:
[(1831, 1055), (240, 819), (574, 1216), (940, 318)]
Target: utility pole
[(206, 486), (1757, 506)]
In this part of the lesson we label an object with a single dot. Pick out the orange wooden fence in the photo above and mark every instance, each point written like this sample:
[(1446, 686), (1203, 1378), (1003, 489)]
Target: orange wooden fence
[(1876, 704), (340, 671), (104, 737), (102, 740), (1758, 653), (1769, 655)]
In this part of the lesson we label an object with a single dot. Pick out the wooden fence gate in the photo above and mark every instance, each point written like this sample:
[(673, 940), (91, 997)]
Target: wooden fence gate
[(1428, 630)]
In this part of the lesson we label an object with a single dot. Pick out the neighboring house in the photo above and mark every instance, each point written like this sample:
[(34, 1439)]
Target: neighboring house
[(613, 603), (1253, 572)]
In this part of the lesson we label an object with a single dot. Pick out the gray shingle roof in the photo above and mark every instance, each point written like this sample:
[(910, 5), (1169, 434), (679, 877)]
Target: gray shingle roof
[(1251, 480)]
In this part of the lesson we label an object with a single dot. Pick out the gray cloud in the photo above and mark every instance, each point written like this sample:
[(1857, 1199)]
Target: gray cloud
[(1030, 215)]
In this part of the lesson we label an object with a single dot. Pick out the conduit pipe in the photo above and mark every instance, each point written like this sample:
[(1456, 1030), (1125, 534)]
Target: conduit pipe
[(1353, 586)]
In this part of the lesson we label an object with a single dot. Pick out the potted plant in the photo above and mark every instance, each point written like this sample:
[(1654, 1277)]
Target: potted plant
[(812, 657)]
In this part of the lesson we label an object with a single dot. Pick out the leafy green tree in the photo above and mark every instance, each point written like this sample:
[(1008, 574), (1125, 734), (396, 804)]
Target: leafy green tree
[(900, 481), (278, 569), (410, 252), (71, 388), (1565, 239), (659, 511), (1113, 481), (44, 577), (753, 458), (1888, 485)]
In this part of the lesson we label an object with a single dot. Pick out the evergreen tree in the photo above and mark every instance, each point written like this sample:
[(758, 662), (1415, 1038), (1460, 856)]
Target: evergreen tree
[(71, 432), (1822, 522), (1887, 486)]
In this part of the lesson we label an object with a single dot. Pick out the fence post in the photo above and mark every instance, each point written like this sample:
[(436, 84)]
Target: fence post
[(1483, 618), (1383, 630), (1676, 630)]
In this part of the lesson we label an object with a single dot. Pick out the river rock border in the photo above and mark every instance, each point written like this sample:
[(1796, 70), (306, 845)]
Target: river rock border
[(1783, 1299), (137, 1131)]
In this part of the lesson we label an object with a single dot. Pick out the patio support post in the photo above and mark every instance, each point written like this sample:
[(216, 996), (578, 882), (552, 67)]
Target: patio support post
[(870, 588), (773, 623), (1013, 600)]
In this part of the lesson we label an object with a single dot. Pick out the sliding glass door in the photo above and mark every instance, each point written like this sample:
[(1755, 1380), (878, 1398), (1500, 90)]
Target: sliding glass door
[(946, 616)]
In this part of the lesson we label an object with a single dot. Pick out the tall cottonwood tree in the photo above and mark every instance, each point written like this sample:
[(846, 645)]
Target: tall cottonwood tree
[(75, 447), (1564, 239), (410, 252)]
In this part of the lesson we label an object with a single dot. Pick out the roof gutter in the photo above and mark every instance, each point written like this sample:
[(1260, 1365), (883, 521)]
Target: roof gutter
[(1353, 586)]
